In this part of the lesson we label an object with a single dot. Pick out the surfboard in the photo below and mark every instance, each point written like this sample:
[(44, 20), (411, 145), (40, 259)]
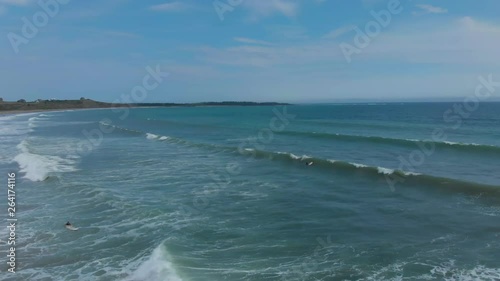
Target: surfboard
[(70, 227)]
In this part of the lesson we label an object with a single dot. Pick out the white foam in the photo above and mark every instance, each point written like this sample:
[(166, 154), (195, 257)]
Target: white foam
[(156, 268), (295, 157), (359, 165), (7, 117), (106, 124), (32, 122), (250, 194), (151, 136), (12, 126), (385, 171), (445, 238), (411, 174), (38, 118), (459, 143), (38, 167), (13, 130), (448, 271)]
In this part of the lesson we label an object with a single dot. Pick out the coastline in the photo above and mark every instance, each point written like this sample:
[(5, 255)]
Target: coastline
[(18, 112), (24, 111), (13, 108)]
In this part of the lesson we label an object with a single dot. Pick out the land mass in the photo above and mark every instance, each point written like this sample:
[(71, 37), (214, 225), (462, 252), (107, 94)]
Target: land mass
[(41, 105)]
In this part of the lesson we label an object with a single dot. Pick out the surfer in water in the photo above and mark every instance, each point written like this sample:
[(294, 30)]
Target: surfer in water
[(69, 226)]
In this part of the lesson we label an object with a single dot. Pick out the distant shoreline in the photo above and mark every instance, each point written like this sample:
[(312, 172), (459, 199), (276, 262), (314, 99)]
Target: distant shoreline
[(21, 107), (15, 112)]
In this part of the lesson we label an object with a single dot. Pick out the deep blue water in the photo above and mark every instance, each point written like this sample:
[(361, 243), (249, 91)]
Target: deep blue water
[(395, 192)]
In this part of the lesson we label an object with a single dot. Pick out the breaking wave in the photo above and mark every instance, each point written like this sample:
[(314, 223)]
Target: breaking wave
[(473, 147), (386, 174), (38, 167), (156, 268)]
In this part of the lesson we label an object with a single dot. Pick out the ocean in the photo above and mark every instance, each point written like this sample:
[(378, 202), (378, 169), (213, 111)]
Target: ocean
[(395, 191)]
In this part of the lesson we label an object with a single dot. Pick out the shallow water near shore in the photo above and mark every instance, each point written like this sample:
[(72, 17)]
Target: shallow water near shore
[(224, 193)]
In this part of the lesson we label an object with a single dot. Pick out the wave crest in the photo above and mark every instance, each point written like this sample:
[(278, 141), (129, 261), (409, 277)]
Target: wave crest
[(386, 173), (156, 268), (474, 147), (37, 167)]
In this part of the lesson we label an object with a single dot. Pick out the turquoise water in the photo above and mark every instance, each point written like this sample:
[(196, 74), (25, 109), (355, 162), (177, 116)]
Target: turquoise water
[(224, 193)]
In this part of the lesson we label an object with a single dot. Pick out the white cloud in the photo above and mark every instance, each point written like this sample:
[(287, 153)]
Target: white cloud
[(19, 3), (170, 7), (16, 2), (251, 41), (266, 8), (464, 41), (476, 26), (338, 32), (288, 32), (273, 56), (429, 9)]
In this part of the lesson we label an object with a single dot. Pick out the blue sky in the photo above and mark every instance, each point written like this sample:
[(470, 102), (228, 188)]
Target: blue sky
[(262, 50)]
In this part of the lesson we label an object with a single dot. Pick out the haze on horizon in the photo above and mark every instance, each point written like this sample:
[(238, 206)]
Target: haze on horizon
[(252, 50)]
